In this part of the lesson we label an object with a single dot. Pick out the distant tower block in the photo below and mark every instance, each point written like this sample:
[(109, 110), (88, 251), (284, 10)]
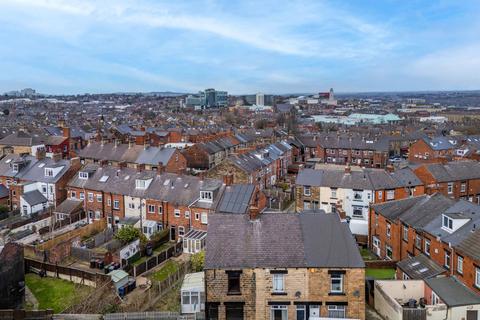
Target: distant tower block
[(331, 97), (260, 99)]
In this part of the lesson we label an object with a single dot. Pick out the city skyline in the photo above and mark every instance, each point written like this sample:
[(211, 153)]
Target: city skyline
[(64, 47)]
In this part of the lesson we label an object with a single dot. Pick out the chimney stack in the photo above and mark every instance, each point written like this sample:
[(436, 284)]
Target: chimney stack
[(103, 163), (390, 168), (140, 167), (130, 143), (160, 168), (66, 132), (254, 212), (57, 157), (348, 170), (40, 154), (228, 179), (122, 164)]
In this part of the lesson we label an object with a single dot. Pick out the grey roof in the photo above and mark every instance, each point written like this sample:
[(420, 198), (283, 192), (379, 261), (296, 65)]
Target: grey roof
[(280, 240), (34, 197), (21, 138), (153, 155), (365, 179), (470, 245), (69, 206), (420, 267), (441, 143), (460, 210), (417, 211), (452, 292), (37, 171), (454, 171), (174, 188), (236, 198), (6, 165)]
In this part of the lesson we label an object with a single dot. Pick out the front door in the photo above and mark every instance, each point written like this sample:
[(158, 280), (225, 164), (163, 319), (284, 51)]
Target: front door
[(314, 311), (173, 233)]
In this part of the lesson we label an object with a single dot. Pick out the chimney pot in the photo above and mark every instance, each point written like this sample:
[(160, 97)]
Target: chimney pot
[(160, 168)]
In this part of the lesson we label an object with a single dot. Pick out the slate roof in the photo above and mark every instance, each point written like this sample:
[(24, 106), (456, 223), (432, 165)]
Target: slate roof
[(365, 179), (69, 206), (21, 138), (454, 171), (4, 193), (420, 267), (452, 292), (236, 199), (280, 240), (441, 143), (34, 197), (416, 211), (470, 245)]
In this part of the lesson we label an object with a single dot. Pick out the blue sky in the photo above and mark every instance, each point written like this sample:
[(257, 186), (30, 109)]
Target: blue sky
[(77, 46)]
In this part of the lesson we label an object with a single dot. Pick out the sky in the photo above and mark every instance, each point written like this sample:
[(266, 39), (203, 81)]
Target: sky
[(248, 46)]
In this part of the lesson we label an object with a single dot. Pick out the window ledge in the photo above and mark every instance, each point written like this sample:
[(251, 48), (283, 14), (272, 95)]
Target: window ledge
[(336, 294), (234, 293), (279, 293)]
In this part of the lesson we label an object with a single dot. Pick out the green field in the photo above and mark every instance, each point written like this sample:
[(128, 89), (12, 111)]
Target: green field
[(167, 269), (56, 294), (380, 274)]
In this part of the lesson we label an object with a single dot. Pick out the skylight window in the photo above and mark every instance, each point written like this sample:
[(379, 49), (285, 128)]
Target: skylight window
[(167, 182), (416, 263), (126, 178), (8, 161), (103, 179), (41, 165), (423, 270)]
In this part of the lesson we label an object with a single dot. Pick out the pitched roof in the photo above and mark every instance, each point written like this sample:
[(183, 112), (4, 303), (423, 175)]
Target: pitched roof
[(452, 292), (236, 198), (280, 240), (420, 267), (34, 197), (470, 245), (454, 171)]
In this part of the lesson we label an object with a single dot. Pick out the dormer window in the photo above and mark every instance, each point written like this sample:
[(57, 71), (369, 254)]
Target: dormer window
[(142, 184), (447, 223), (15, 167), (206, 196), (48, 172), (83, 175)]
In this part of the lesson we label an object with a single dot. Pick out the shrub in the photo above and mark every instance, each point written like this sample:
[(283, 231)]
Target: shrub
[(198, 261)]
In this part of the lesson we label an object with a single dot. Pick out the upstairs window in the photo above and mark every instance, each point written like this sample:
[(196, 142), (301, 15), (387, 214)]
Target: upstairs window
[(389, 230), (151, 208), (234, 282), (307, 191), (447, 260), (357, 195), (336, 282), (463, 187), (204, 218), (405, 233), (15, 167), (427, 247), (48, 172), (334, 193), (206, 196), (447, 223), (390, 194), (140, 184), (450, 188), (83, 175), (460, 264), (278, 281)]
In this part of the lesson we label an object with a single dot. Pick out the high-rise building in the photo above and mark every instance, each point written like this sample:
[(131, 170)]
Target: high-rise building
[(209, 98), (260, 99)]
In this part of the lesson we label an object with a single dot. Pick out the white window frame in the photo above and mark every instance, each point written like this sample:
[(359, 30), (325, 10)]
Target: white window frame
[(426, 244), (109, 202), (197, 216), (337, 309), (463, 187), (282, 308), (99, 197), (187, 214), (336, 276), (82, 196), (176, 213), (206, 196), (435, 299), (48, 172), (380, 195), (387, 249), (116, 204), (73, 194), (447, 256), (307, 191), (460, 264), (90, 197), (204, 218), (151, 208), (448, 221), (405, 232), (450, 188), (278, 283), (83, 175), (354, 208), (333, 193), (181, 231), (390, 195), (389, 230), (477, 277)]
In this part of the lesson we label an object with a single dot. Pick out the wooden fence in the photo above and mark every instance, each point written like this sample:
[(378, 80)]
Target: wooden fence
[(94, 227), (26, 315), (414, 314), (67, 273), (155, 260), (159, 288)]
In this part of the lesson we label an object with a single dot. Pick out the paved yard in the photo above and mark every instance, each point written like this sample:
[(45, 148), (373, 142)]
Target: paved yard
[(371, 314)]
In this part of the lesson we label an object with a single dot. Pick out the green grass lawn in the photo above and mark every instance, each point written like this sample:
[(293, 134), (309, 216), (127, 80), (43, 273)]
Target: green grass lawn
[(56, 294), (155, 252), (168, 268), (380, 274)]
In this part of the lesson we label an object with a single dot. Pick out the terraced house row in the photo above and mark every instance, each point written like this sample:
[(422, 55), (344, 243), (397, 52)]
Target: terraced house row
[(429, 235), (154, 199)]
